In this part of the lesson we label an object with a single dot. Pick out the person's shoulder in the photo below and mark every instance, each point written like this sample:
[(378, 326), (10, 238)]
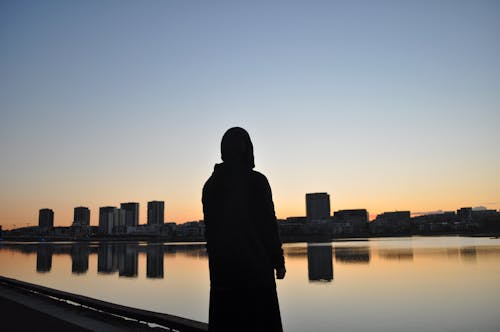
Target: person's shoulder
[(259, 177), (210, 181)]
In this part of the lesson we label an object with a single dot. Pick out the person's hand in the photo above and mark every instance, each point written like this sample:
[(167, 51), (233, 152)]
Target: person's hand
[(280, 273)]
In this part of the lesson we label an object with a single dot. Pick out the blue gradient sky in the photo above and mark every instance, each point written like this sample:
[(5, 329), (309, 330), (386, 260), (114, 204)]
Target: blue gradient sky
[(384, 104)]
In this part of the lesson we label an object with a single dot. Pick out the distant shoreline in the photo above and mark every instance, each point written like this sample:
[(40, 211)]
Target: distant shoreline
[(296, 239)]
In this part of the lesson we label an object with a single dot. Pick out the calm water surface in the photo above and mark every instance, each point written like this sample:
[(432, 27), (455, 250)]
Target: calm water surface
[(390, 284)]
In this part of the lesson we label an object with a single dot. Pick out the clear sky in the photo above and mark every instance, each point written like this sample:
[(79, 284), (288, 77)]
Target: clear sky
[(385, 105)]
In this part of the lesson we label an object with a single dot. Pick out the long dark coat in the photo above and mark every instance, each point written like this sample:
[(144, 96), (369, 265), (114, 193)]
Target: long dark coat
[(244, 249)]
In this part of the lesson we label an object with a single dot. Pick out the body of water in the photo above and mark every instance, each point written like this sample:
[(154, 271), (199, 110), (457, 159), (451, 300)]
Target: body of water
[(385, 284)]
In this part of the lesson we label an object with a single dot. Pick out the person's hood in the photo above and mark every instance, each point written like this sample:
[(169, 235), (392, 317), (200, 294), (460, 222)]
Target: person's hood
[(237, 148)]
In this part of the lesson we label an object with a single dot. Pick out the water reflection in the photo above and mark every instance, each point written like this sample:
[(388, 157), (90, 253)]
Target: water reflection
[(352, 255), (398, 284), (468, 254), (80, 258), (294, 252), (452, 253), (400, 254), (319, 262), (465, 253), (107, 261), (44, 257), (154, 263), (127, 259), (122, 258), (112, 257)]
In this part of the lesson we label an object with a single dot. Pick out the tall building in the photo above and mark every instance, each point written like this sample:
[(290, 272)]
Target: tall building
[(46, 218), (317, 206), (112, 220), (156, 212), (106, 219), (131, 214), (81, 216), (119, 221)]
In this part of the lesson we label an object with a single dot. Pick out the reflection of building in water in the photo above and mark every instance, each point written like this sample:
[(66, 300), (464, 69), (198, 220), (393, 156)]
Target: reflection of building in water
[(396, 254), (452, 252), (294, 252), (154, 261), (352, 254), (193, 250), (106, 258), (127, 259), (319, 262), (79, 257), (468, 253), (44, 257)]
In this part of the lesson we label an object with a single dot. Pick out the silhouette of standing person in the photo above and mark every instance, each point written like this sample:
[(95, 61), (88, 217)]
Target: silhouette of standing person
[(243, 243)]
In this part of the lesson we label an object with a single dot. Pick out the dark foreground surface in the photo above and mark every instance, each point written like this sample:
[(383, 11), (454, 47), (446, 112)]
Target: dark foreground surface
[(25, 307), (18, 317), (29, 312)]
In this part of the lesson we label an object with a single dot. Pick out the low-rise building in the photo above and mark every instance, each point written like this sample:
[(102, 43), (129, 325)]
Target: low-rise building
[(391, 222), (355, 220), (194, 230)]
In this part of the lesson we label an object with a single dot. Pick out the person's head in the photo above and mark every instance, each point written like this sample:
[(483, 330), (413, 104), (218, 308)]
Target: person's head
[(236, 147)]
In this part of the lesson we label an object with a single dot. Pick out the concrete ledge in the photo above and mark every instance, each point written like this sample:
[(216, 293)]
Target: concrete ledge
[(102, 308)]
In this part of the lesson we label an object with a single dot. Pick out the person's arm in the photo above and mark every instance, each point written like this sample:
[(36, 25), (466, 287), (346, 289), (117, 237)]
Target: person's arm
[(272, 233), (204, 201)]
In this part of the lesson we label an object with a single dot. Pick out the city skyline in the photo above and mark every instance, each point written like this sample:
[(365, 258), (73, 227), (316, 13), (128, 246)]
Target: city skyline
[(387, 106), (161, 216)]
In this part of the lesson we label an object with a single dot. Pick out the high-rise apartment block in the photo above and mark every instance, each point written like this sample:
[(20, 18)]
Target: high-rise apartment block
[(111, 220), (131, 214), (46, 218), (81, 216), (106, 219), (317, 206), (156, 212)]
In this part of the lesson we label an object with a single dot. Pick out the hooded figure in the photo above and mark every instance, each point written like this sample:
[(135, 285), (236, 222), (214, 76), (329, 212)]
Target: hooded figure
[(244, 248)]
